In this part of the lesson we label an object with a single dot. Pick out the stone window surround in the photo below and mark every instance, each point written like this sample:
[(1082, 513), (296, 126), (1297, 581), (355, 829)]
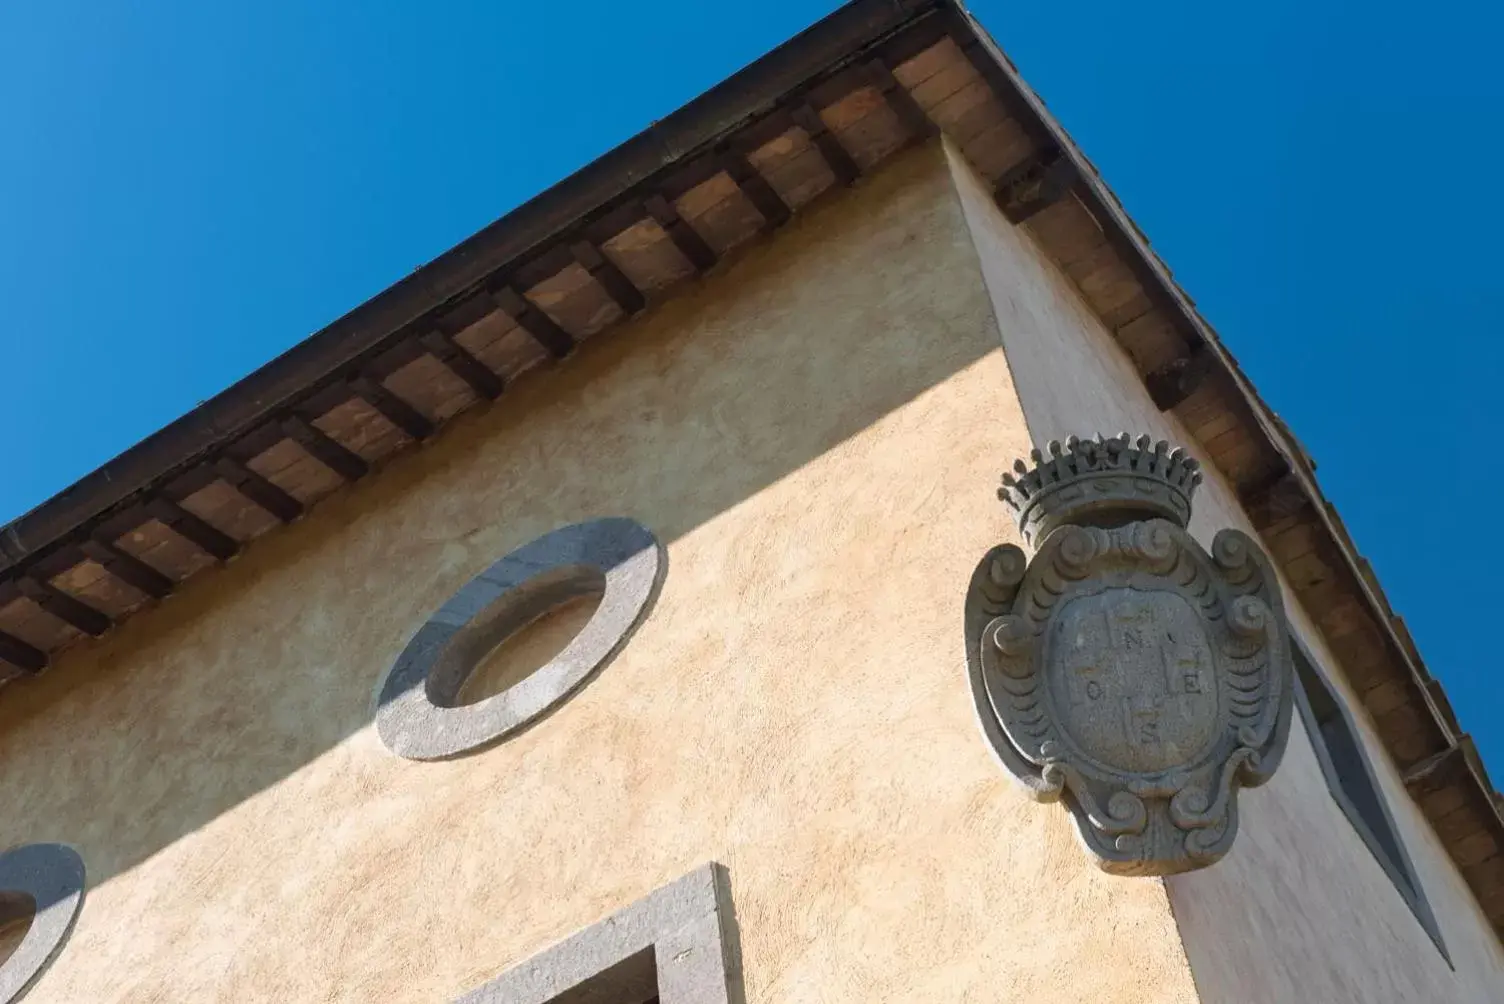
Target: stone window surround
[(1397, 865), (676, 945), (615, 558), (47, 879)]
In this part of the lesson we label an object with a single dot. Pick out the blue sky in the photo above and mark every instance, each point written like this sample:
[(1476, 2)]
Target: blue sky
[(188, 189)]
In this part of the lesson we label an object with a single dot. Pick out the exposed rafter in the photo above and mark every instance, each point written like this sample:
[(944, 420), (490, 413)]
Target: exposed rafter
[(1171, 384), (258, 489), (615, 282), (22, 655), (531, 318), (689, 242), (209, 539), (775, 212), (842, 165), (128, 568), (338, 458), (394, 409), (918, 125), (1038, 182), (68, 609), (458, 360)]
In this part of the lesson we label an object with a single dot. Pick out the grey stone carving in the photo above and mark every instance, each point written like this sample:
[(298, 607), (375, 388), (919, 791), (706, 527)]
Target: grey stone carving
[(676, 945), (45, 882), (1125, 670), (617, 559)]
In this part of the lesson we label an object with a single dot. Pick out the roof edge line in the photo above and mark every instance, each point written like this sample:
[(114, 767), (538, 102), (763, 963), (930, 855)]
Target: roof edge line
[(1103, 204), (370, 327)]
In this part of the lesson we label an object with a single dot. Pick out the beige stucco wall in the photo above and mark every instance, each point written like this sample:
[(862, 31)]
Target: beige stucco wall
[(816, 435), (1300, 911)]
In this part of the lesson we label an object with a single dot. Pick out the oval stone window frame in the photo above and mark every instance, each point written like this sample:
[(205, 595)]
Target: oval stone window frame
[(49, 880), (617, 559)]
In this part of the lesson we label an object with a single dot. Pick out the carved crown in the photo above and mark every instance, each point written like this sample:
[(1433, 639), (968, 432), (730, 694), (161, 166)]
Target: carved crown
[(1107, 481)]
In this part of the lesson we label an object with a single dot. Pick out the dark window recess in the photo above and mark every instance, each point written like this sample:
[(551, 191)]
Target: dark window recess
[(674, 946), (1351, 781)]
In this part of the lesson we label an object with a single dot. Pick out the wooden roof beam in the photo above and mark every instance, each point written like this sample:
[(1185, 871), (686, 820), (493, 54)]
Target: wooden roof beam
[(336, 456), (394, 409), (1276, 497), (1172, 383), (258, 489), (1037, 183), (775, 212), (250, 486), (918, 124), (686, 238), (23, 655), (194, 529), (612, 279), (531, 318), (68, 609), (841, 163), (458, 360), (128, 569), (1435, 771)]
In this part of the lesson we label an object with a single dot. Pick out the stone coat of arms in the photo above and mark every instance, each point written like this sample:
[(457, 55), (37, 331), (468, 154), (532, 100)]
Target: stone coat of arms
[(1125, 670)]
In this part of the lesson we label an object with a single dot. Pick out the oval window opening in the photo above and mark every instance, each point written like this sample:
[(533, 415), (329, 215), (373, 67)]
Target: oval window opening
[(528, 649), (17, 911), (41, 892), (519, 638)]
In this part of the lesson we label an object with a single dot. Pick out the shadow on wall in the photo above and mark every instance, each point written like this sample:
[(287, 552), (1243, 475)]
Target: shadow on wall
[(856, 309)]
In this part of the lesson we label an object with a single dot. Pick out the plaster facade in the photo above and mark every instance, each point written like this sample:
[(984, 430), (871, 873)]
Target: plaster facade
[(814, 435), (1300, 911)]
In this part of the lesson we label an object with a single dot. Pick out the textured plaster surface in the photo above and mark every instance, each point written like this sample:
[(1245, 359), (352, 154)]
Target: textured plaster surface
[(1300, 910), (815, 435)]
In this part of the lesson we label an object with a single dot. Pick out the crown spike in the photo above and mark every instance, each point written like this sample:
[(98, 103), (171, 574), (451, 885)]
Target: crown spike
[(1103, 478)]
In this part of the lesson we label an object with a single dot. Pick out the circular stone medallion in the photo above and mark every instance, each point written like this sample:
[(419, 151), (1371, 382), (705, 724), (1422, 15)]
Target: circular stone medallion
[(617, 559)]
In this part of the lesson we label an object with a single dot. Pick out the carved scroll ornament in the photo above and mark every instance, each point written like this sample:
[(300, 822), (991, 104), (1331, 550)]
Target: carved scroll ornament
[(1126, 671)]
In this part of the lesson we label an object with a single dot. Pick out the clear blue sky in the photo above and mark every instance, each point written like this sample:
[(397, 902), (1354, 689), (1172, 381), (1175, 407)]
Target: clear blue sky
[(188, 189)]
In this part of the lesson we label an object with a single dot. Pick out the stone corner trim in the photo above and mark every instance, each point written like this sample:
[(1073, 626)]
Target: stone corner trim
[(45, 881), (676, 944), (618, 559)]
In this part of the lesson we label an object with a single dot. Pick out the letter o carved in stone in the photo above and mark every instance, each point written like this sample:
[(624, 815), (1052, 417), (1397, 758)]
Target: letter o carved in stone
[(46, 883), (617, 559)]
